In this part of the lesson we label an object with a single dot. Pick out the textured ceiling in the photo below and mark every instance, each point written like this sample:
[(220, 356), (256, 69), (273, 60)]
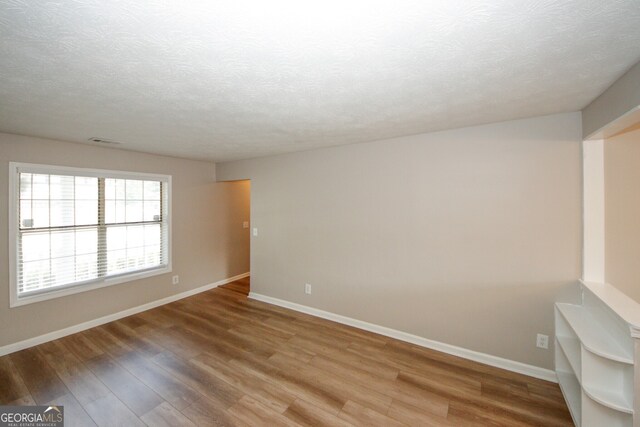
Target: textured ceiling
[(228, 80)]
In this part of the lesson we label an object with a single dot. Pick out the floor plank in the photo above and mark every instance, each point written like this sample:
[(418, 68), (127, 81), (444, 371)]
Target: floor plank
[(334, 385), (269, 394), (413, 415), (25, 400), (165, 415), (85, 386), (81, 346), (41, 380), (199, 379), (131, 391), (109, 411), (209, 412), (359, 415), (253, 413), (74, 413), (309, 415), (12, 387), (163, 383), (240, 286)]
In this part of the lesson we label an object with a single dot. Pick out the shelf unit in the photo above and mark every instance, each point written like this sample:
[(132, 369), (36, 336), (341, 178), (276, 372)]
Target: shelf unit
[(595, 357)]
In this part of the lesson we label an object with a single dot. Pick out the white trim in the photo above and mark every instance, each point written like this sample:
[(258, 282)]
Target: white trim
[(74, 288), (97, 173), (593, 262), (616, 126), (487, 359), (623, 306), (77, 288), (13, 232), (21, 345)]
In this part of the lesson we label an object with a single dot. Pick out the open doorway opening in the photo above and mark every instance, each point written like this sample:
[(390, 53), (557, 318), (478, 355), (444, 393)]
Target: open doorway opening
[(239, 211), (242, 286)]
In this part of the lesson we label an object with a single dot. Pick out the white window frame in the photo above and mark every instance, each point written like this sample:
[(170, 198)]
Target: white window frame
[(14, 169)]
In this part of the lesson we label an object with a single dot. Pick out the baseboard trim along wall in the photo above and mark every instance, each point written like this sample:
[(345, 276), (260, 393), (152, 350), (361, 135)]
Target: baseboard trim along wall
[(487, 359), (31, 342)]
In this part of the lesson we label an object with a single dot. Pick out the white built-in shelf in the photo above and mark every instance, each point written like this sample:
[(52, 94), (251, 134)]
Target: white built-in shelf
[(614, 399), (571, 390), (571, 348), (624, 307), (595, 357), (592, 335)]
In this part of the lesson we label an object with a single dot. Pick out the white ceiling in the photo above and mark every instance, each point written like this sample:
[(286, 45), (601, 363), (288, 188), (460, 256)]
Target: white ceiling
[(237, 79)]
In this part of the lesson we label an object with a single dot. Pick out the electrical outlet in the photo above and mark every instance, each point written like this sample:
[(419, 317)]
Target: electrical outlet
[(542, 341), (175, 280), (307, 289), (255, 231)]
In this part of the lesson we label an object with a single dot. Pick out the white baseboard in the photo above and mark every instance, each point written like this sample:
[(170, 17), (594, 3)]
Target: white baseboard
[(21, 345), (487, 359)]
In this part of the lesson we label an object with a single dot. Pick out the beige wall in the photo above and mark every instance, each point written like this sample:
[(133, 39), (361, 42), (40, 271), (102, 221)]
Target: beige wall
[(464, 236), (622, 212), (209, 243), (621, 97)]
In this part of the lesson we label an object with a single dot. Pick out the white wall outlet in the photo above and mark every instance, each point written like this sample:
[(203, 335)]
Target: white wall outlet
[(245, 224), (542, 341), (307, 289), (255, 231), (175, 280)]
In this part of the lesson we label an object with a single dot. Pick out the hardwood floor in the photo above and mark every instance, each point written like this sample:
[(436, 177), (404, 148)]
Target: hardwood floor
[(218, 359), (241, 286)]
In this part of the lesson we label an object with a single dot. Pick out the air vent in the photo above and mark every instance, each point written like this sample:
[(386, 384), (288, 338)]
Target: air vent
[(104, 141)]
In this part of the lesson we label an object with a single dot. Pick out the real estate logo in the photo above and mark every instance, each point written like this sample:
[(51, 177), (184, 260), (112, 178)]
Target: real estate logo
[(32, 416)]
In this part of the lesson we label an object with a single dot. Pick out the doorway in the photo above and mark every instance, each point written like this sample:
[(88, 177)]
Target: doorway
[(239, 221)]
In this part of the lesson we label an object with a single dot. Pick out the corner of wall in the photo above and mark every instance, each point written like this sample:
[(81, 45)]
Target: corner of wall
[(617, 100)]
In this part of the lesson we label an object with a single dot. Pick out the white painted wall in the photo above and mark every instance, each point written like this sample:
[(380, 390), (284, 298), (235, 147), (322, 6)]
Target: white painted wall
[(465, 237)]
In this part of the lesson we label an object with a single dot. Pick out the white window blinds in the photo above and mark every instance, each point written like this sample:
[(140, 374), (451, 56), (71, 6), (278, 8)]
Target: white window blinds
[(75, 229)]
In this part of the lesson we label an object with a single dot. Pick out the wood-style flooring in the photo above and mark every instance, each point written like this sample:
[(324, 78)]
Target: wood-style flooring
[(218, 358)]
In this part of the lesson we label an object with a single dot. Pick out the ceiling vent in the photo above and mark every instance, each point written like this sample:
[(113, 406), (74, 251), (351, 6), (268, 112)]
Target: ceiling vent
[(104, 141)]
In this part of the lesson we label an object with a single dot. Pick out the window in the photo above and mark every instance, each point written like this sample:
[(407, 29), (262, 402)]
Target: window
[(78, 229)]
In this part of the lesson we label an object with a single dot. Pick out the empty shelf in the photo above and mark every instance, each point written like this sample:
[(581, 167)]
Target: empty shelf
[(611, 399), (571, 390), (593, 337), (571, 349)]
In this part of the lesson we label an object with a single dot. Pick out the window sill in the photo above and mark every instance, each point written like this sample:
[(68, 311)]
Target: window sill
[(16, 301)]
